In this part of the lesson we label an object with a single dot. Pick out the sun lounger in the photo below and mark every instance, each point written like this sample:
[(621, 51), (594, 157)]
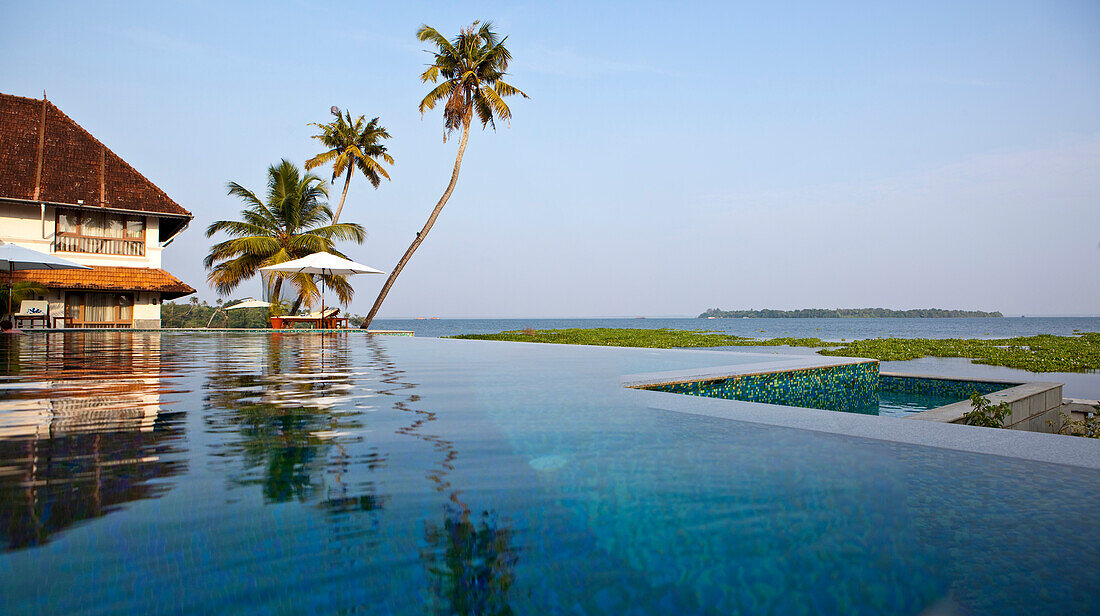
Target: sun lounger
[(32, 310), (319, 320)]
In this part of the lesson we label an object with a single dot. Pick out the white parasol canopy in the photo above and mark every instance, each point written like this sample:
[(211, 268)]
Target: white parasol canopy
[(325, 264), (14, 257), (249, 303)]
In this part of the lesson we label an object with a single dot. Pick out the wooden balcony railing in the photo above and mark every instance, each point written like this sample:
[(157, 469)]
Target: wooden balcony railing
[(100, 245)]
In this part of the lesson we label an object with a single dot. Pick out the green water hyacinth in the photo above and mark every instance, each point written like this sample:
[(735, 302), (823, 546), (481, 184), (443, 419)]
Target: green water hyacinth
[(1042, 353)]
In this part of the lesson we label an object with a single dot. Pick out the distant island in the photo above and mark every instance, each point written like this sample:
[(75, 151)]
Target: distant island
[(846, 313)]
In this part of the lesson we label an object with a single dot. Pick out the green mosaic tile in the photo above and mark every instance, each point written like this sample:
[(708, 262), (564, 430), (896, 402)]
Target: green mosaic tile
[(850, 387)]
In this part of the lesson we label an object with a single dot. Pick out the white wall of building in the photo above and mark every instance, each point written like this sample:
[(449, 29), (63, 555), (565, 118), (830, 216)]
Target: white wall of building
[(24, 225), (146, 307)]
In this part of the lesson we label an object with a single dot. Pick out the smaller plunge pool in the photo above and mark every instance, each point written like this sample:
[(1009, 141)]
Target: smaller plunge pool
[(852, 388)]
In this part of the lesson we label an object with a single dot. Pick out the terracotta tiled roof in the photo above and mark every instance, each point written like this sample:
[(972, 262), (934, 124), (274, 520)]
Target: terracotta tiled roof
[(75, 165), (109, 278)]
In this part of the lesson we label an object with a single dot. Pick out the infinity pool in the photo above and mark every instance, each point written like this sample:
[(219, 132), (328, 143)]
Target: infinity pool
[(165, 473)]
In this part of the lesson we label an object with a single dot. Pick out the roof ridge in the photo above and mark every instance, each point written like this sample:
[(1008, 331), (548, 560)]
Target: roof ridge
[(69, 178), (26, 98), (112, 152)]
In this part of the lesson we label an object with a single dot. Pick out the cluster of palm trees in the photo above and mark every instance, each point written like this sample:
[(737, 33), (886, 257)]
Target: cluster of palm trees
[(293, 220)]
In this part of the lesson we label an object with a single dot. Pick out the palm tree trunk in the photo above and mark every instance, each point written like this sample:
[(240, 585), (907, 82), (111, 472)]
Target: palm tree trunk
[(344, 195), (423, 232)]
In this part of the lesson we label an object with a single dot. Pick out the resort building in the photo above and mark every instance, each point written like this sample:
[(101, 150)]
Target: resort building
[(63, 192)]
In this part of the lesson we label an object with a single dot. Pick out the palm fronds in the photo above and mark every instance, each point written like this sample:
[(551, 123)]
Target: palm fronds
[(352, 144), (293, 221), (472, 68)]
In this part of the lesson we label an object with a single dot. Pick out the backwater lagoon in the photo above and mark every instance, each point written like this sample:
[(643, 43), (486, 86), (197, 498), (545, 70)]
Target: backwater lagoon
[(182, 472)]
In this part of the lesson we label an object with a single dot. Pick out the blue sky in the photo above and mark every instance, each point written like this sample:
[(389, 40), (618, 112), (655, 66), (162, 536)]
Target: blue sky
[(672, 158)]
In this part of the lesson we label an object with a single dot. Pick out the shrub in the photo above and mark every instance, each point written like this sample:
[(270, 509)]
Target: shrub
[(984, 413), (1088, 427)]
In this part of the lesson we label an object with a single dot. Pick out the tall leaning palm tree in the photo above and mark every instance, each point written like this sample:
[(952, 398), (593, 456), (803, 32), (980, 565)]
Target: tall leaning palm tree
[(291, 222), (352, 145), (472, 68)]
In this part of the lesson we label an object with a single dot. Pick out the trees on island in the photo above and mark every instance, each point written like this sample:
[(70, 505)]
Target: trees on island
[(844, 313)]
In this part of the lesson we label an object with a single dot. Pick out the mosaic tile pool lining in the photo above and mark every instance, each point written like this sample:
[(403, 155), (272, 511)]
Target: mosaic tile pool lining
[(852, 388), (938, 387)]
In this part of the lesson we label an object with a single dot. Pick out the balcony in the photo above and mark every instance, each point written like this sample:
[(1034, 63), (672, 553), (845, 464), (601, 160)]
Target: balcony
[(100, 245)]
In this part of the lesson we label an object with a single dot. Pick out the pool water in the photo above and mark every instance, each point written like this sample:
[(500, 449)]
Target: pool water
[(160, 473), (900, 404)]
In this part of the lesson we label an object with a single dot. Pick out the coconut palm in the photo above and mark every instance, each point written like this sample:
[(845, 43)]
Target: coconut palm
[(472, 68), (352, 145), (292, 222)]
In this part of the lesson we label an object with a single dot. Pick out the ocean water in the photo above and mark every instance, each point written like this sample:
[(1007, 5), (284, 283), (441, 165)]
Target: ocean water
[(826, 329)]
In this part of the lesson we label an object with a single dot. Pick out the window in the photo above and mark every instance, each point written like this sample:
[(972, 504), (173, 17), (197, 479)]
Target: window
[(99, 310), (103, 233)]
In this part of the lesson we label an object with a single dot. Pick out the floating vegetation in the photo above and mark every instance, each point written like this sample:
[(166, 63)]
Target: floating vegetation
[(1042, 353), (606, 336)]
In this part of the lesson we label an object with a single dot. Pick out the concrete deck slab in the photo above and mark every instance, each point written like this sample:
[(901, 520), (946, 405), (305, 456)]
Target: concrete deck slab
[(1051, 448)]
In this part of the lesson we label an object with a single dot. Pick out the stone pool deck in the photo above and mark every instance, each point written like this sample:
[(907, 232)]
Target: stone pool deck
[(1030, 402)]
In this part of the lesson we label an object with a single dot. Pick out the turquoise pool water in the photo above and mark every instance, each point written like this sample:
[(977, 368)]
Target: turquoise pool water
[(180, 473)]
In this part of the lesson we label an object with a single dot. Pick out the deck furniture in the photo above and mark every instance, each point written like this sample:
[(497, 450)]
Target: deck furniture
[(32, 310), (326, 319)]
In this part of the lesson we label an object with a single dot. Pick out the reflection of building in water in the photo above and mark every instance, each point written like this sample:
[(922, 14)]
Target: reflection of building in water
[(81, 431)]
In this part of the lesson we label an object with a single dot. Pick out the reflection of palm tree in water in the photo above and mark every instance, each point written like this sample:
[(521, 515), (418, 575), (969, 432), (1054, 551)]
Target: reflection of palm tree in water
[(471, 562), (281, 407)]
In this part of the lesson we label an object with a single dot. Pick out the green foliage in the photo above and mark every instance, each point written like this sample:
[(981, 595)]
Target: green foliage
[(355, 320), (984, 413), (24, 289), (626, 337), (290, 223), (352, 144), (196, 314), (846, 313), (1042, 353), (280, 307), (472, 66), (1089, 427)]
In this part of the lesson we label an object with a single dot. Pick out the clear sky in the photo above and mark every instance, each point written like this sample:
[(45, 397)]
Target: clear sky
[(673, 157)]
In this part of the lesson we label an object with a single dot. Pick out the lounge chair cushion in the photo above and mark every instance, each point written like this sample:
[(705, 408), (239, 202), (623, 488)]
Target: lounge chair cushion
[(33, 308)]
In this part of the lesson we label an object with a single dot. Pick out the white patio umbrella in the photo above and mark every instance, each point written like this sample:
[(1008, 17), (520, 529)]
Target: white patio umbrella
[(249, 303), (14, 257), (325, 264)]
